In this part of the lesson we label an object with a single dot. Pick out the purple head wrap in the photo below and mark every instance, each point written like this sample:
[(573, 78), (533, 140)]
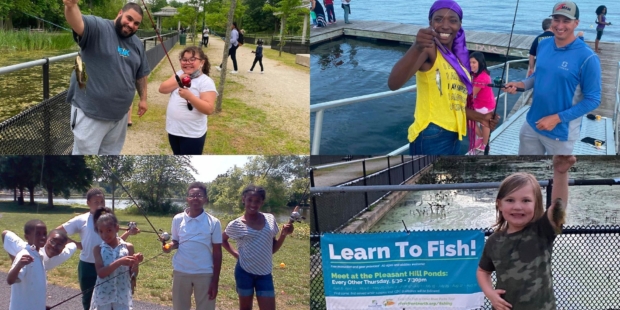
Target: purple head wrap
[(459, 47)]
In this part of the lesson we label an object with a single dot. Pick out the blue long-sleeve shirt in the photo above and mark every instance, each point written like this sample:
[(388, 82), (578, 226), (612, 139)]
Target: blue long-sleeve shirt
[(259, 51), (567, 82)]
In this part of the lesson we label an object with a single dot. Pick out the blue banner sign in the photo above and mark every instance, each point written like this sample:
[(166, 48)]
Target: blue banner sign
[(416, 270)]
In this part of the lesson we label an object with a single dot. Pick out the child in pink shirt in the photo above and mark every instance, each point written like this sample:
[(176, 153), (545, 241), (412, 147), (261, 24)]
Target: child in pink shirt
[(484, 101)]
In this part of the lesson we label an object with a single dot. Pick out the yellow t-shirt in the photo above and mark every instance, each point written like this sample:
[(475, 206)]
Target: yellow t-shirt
[(441, 100)]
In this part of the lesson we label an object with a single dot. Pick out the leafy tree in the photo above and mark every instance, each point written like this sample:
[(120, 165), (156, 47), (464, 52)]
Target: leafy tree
[(112, 170), (286, 9), (158, 177), (20, 172), (218, 103), (175, 4), (63, 173), (225, 190), (256, 19)]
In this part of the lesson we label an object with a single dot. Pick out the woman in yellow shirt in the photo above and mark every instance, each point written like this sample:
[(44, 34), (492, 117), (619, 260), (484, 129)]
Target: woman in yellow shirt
[(440, 60)]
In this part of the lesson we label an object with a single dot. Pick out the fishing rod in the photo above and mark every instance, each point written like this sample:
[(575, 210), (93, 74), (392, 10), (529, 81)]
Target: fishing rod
[(498, 82), (186, 82), (132, 275), (487, 147), (164, 236)]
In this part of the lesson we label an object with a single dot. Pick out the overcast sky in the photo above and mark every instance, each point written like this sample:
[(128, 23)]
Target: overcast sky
[(209, 166)]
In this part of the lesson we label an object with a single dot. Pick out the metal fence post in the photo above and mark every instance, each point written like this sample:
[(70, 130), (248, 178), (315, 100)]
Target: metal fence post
[(46, 79), (549, 190), (365, 193), (389, 174), (402, 162), (316, 215)]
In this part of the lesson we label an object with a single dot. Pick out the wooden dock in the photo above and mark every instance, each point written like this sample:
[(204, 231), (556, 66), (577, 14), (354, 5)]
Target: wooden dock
[(487, 42)]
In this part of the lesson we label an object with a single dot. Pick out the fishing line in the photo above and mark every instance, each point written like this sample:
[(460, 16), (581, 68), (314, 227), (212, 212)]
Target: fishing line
[(41, 19), (110, 279), (487, 147), (162, 45), (130, 197)]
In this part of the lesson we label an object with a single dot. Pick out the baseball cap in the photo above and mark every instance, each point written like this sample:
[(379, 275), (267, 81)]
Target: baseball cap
[(566, 8)]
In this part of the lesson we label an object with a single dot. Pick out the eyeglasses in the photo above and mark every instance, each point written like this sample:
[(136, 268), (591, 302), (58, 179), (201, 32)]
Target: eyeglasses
[(190, 60), (195, 196)]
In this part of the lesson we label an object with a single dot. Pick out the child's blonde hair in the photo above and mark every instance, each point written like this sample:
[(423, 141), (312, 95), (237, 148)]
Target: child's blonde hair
[(512, 183)]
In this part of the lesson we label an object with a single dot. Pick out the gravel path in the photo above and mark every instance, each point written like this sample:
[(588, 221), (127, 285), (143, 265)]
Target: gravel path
[(56, 294)]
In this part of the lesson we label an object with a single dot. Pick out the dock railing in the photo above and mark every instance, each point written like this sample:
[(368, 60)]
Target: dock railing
[(320, 108), (617, 108)]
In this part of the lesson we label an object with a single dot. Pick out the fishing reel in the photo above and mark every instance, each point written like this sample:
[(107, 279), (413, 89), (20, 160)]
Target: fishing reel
[(132, 225), (185, 82), (296, 217), (498, 82), (164, 236)]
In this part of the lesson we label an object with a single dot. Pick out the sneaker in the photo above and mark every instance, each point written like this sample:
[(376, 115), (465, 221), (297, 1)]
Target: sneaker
[(218, 68), (261, 72), (250, 71), (234, 72)]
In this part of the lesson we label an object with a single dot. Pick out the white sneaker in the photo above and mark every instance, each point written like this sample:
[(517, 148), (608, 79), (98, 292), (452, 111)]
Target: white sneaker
[(218, 68), (261, 72), (249, 71), (233, 72)]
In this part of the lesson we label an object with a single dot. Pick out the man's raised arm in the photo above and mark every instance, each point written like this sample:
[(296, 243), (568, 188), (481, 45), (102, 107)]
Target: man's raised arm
[(74, 16)]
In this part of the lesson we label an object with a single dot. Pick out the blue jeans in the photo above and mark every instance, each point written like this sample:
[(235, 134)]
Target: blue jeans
[(347, 9), (435, 140), (247, 282)]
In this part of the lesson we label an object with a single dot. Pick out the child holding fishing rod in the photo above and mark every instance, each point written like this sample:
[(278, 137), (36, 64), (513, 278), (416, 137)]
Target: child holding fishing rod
[(84, 225), (188, 107), (439, 59), (115, 262), (255, 233), (519, 250)]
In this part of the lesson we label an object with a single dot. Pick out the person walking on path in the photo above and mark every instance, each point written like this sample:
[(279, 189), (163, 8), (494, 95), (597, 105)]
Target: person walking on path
[(232, 51), (567, 85), (346, 6), (117, 67), (205, 37), (259, 56), (329, 10), (601, 11), (546, 26)]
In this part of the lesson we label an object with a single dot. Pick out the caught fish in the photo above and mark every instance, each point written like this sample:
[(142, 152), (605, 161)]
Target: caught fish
[(438, 80), (80, 72)]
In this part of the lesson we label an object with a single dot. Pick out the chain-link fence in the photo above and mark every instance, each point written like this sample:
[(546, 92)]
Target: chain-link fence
[(337, 210), (585, 269), (44, 128)]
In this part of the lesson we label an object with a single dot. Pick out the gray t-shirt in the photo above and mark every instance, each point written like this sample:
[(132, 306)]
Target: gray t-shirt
[(522, 262), (113, 65)]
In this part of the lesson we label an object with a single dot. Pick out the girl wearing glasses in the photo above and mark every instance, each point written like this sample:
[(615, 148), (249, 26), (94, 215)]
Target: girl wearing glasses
[(188, 107)]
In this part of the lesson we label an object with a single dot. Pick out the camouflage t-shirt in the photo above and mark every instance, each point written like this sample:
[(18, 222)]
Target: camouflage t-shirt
[(522, 262)]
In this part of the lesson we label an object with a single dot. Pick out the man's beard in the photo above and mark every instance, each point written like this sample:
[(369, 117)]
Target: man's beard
[(119, 29)]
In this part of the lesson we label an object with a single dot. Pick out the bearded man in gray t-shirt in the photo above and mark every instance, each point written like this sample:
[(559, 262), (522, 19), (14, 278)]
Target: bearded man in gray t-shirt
[(116, 68)]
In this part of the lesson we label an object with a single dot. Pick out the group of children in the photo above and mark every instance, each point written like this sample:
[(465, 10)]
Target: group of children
[(109, 265)]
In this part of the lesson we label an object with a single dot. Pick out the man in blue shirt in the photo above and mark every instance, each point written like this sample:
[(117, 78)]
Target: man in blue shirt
[(567, 85)]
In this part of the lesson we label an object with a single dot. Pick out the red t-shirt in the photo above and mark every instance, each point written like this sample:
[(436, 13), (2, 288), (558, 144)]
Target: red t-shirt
[(328, 2), (485, 98)]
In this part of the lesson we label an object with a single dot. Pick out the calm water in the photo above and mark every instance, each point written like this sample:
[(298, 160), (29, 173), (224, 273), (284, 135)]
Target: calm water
[(282, 216), (350, 67), (491, 16), (588, 205)]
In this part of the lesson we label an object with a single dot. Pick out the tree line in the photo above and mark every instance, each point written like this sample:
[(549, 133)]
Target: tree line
[(153, 180), (251, 15)]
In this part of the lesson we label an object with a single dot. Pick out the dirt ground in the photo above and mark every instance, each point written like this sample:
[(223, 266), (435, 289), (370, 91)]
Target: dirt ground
[(282, 91)]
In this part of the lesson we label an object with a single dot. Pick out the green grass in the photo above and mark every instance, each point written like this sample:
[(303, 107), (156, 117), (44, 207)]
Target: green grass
[(154, 281), (12, 41), (286, 58)]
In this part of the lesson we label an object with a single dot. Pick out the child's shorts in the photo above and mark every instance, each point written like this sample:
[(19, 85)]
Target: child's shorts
[(483, 110), (247, 283), (112, 306)]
